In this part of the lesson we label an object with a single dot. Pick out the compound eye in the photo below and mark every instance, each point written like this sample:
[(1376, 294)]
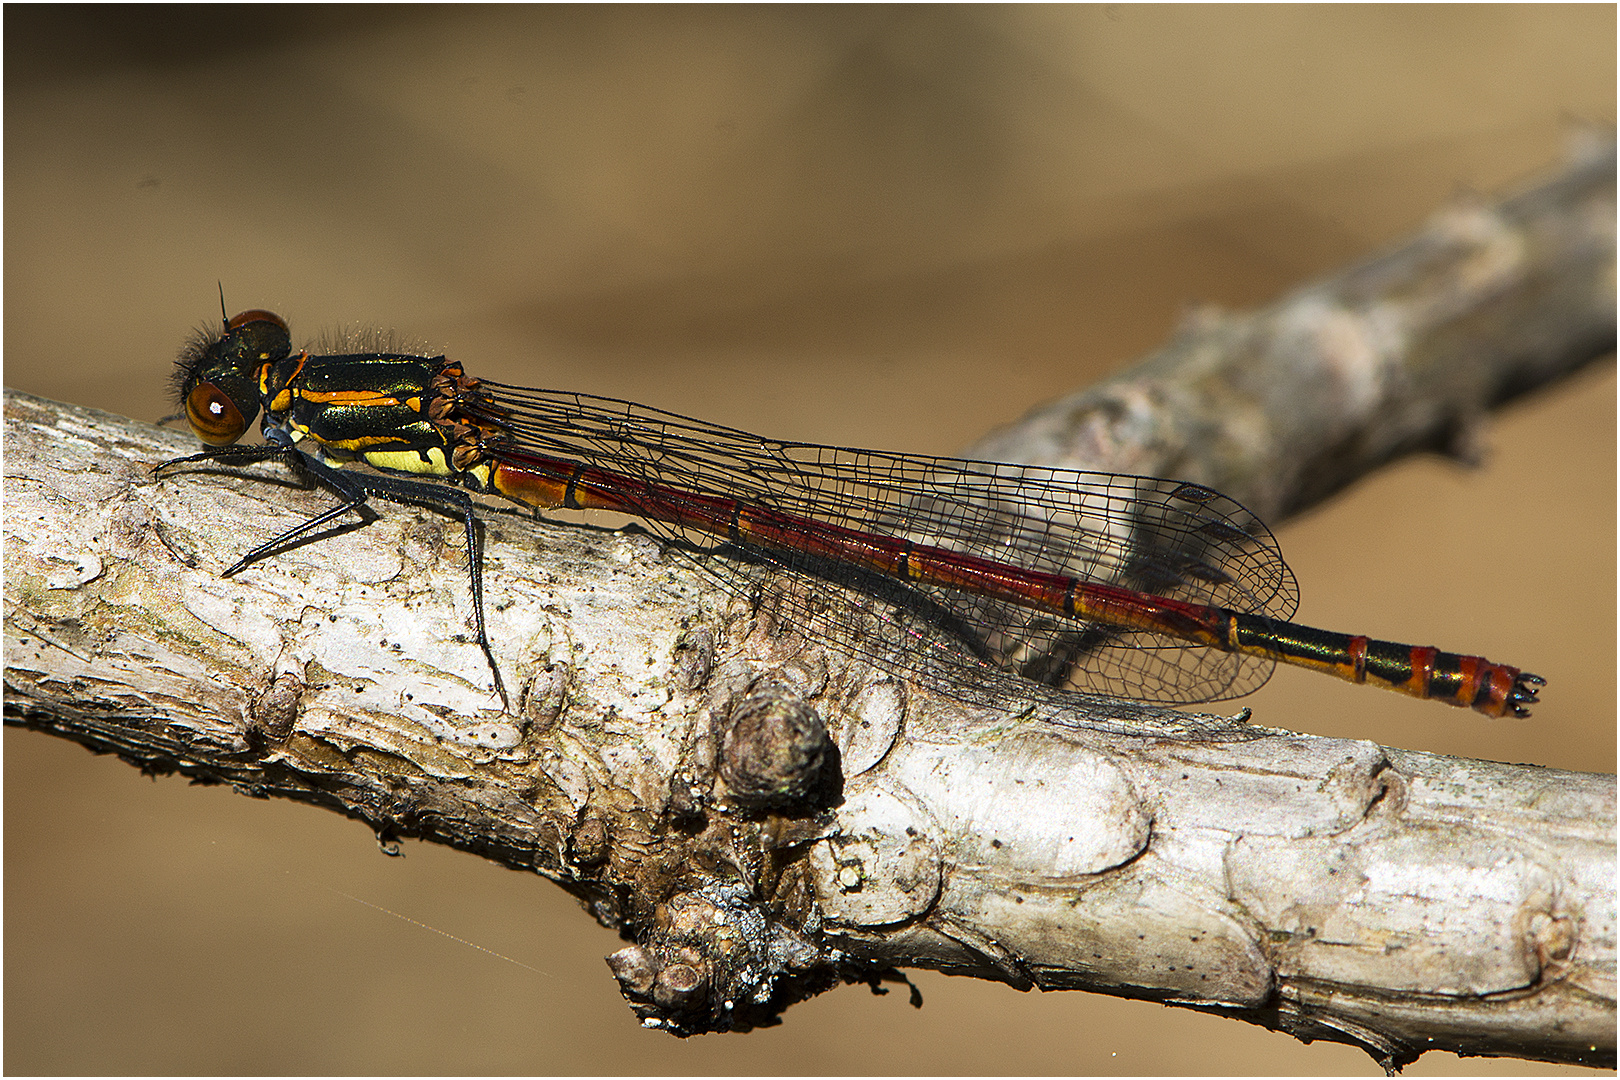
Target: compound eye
[(256, 336), (256, 315), (213, 415)]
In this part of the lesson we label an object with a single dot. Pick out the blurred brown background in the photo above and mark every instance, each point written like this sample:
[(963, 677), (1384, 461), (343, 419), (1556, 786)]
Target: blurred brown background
[(873, 226)]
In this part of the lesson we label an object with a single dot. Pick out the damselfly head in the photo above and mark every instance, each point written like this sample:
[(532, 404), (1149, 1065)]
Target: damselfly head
[(217, 376)]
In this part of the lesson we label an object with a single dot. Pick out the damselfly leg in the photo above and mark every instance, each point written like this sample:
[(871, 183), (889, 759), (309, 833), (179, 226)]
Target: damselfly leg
[(355, 489)]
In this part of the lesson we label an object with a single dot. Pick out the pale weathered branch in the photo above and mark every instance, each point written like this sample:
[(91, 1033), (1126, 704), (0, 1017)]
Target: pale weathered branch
[(765, 815), (1281, 407)]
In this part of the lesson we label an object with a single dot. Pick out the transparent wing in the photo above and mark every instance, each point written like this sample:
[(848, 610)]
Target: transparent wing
[(1160, 538)]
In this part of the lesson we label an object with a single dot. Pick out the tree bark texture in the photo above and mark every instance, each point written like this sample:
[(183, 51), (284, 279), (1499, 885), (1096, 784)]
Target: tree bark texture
[(764, 815), (1407, 351)]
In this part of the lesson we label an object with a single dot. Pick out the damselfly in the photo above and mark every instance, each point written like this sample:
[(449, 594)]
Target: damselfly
[(1136, 587)]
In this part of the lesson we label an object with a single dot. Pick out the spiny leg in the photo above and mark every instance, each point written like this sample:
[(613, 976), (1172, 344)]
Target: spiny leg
[(355, 487), (356, 502), (240, 455), (353, 497)]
